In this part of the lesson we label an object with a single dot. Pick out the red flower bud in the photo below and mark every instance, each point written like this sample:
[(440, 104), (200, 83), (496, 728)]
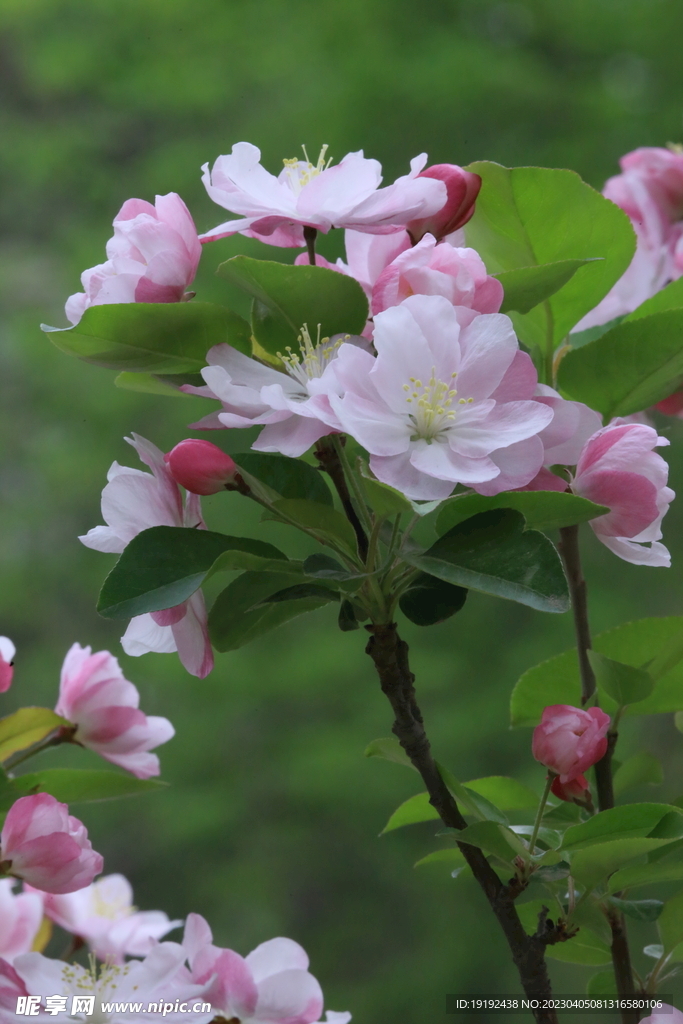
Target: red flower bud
[(671, 406), (462, 188), (200, 467), (576, 790), (569, 740)]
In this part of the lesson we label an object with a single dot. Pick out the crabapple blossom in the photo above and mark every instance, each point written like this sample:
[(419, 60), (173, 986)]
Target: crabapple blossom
[(438, 269), (7, 652), (667, 1015), (152, 257), (21, 915), (462, 188), (103, 915), (200, 467), (650, 191), (11, 989), (569, 740), (576, 790), (619, 468), (160, 978), (95, 696), (45, 846), (133, 501), (270, 984), (292, 405), (319, 196), (439, 405)]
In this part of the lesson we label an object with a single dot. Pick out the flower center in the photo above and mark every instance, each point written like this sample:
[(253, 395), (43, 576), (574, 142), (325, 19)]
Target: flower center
[(113, 909), (312, 359), (432, 413), (300, 172)]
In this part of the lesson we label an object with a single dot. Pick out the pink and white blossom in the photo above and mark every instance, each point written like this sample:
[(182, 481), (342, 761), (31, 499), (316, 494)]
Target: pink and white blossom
[(650, 191), (462, 188), (293, 405), (667, 1015), (320, 196), (7, 652), (619, 468), (152, 257), (11, 989), (440, 404), (438, 269), (95, 696), (160, 978), (271, 985), (45, 846), (21, 915), (569, 740), (134, 501), (103, 916)]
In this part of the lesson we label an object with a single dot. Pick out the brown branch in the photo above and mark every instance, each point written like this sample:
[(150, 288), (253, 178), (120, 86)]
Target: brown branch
[(390, 656), (571, 556), (329, 460)]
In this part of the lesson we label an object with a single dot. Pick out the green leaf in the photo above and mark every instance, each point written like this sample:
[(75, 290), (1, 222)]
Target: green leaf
[(542, 510), (384, 500), (602, 984), (641, 768), (528, 286), (389, 749), (165, 565), (430, 600), (639, 910), (412, 811), (493, 553), (327, 523), (531, 216), (290, 478), (494, 838), (557, 680), (617, 823), (450, 858), (670, 297), (584, 948), (26, 727), (245, 610), (289, 296), (670, 923), (624, 683), (148, 384), (581, 338), (470, 801), (152, 337), (506, 793), (633, 366), (646, 874), (81, 785), (594, 864)]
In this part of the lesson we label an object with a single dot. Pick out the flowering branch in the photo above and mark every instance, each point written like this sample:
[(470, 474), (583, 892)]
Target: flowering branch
[(569, 549), (390, 656)]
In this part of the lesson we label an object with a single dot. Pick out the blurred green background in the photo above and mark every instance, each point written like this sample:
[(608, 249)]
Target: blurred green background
[(272, 819)]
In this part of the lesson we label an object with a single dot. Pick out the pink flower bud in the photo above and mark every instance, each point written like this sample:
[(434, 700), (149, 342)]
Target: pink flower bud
[(575, 789), (200, 467), (462, 188), (7, 652), (672, 406), (42, 844), (569, 740)]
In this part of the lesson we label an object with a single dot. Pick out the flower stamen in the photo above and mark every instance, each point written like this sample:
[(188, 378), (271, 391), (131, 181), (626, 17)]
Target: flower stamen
[(300, 173)]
